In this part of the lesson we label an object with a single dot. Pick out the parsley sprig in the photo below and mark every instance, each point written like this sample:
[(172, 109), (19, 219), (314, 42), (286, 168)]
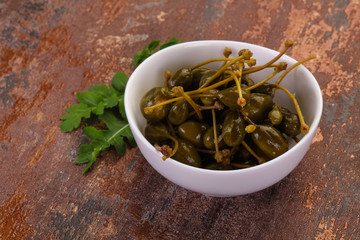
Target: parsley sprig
[(150, 49), (99, 102)]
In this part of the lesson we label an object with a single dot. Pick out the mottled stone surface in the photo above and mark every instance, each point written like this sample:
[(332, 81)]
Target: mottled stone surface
[(49, 50)]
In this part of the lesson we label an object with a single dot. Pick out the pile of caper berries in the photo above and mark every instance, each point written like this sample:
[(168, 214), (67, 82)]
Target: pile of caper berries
[(219, 118)]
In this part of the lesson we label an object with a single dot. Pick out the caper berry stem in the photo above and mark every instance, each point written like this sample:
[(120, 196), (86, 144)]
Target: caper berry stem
[(288, 44), (246, 53), (192, 93), (223, 156), (191, 102), (150, 109), (213, 86), (258, 158), (221, 70), (176, 142), (203, 95), (251, 62), (304, 128), (282, 65), (210, 61), (292, 67), (217, 106), (263, 81), (166, 150), (241, 100), (227, 52), (246, 118)]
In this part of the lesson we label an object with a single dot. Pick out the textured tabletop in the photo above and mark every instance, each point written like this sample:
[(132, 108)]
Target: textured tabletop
[(50, 50)]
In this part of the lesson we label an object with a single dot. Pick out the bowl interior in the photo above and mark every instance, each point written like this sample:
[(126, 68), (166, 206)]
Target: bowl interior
[(151, 73)]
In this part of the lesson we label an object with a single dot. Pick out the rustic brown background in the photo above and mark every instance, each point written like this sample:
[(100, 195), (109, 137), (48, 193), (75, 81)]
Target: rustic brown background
[(52, 49)]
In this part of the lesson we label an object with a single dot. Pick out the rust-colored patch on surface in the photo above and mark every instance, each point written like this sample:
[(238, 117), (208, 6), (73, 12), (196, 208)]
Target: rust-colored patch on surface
[(326, 230), (125, 172), (22, 107), (318, 136), (13, 217), (309, 197), (331, 38), (55, 43), (111, 10), (53, 49), (13, 60), (265, 10), (6, 56), (40, 149), (107, 229)]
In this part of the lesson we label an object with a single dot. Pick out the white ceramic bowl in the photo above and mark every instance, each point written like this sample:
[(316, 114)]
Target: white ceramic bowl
[(213, 182)]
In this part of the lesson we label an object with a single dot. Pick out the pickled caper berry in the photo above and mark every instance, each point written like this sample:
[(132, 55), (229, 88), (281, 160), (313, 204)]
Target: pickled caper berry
[(193, 132), (207, 75), (275, 116), (197, 74), (245, 79), (191, 103), (269, 140), (208, 101), (229, 96), (187, 154), (178, 112), (265, 88), (152, 97), (290, 124), (258, 106), (182, 77), (209, 140), (243, 156), (233, 129), (156, 132)]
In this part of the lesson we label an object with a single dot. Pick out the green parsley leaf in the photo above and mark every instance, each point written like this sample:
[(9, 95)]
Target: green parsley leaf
[(122, 106), (117, 131), (94, 134), (88, 98), (139, 58), (73, 118), (171, 42), (96, 103), (119, 81), (150, 49), (96, 100), (108, 95), (153, 45)]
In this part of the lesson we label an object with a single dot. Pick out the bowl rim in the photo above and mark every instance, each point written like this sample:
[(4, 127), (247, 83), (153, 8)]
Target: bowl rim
[(313, 126)]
